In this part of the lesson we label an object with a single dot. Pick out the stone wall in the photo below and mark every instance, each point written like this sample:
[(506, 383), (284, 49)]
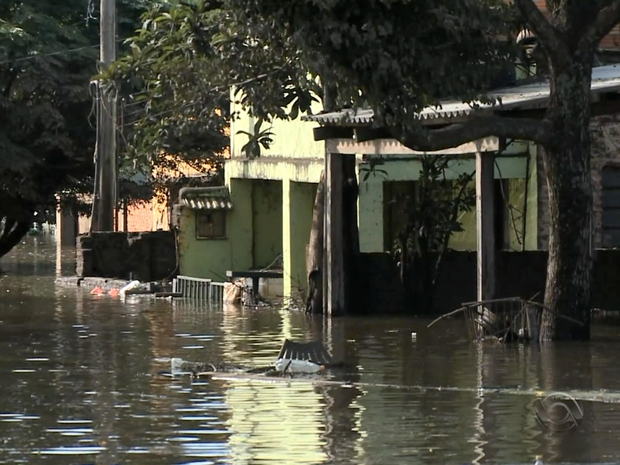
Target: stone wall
[(519, 274), (146, 256), (605, 131)]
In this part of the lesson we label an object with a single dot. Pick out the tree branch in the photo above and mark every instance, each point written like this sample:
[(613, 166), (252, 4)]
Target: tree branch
[(606, 19), (430, 140), (544, 30)]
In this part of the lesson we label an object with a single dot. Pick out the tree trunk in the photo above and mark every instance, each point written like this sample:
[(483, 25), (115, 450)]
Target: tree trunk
[(314, 254), (351, 236), (12, 230), (567, 168)]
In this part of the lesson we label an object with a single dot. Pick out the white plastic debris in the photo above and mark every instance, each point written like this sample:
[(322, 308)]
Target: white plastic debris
[(176, 366), (128, 287), (297, 366)]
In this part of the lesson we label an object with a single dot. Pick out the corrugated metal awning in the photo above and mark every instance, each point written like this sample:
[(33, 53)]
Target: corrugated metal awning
[(205, 198), (525, 96)]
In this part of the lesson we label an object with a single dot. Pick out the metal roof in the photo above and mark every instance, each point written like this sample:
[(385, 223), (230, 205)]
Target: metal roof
[(205, 198), (604, 79)]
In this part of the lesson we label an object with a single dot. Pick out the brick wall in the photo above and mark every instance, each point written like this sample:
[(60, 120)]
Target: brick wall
[(611, 41), (139, 218), (605, 132)]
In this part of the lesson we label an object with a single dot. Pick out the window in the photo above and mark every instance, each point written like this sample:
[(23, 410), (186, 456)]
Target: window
[(210, 224), (611, 206)]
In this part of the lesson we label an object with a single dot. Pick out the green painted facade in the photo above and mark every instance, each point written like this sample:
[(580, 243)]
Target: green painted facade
[(273, 197)]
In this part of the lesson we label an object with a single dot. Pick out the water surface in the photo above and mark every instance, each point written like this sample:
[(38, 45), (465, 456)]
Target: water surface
[(81, 382)]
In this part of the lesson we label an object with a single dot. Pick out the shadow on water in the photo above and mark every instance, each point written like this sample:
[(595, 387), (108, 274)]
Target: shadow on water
[(81, 382)]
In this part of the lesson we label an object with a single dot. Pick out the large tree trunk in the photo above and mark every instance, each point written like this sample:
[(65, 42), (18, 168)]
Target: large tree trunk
[(12, 229), (314, 254), (567, 167), (351, 237)]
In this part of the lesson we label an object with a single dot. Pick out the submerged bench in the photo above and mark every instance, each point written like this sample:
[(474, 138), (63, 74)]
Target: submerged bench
[(255, 276)]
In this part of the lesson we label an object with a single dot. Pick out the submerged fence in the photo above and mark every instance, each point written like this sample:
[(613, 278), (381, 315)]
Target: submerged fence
[(199, 289)]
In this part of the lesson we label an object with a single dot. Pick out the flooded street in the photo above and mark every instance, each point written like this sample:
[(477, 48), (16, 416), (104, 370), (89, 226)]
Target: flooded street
[(81, 382)]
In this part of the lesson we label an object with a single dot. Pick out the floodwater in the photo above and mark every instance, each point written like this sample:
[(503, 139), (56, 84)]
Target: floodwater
[(81, 382)]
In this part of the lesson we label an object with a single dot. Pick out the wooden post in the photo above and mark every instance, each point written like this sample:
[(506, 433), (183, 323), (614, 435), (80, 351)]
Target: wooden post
[(485, 167), (106, 140), (333, 256)]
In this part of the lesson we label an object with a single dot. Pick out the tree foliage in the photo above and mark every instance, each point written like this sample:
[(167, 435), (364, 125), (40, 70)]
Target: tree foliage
[(48, 55), (398, 56), (395, 56), (171, 111)]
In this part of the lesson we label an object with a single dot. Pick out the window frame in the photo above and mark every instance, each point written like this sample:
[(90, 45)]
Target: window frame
[(215, 214)]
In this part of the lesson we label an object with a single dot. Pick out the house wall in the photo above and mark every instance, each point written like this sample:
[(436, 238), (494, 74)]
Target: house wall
[(291, 139), (372, 202), (267, 222), (211, 258), (382, 291), (296, 161), (298, 202), (605, 133), (202, 258)]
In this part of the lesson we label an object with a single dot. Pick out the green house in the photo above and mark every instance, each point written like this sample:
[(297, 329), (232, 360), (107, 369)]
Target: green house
[(264, 214)]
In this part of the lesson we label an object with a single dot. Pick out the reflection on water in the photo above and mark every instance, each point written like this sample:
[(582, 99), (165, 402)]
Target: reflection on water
[(81, 382)]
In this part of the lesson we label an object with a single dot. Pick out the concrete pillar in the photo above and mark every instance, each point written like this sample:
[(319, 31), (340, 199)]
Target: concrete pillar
[(485, 164), (66, 226), (297, 204), (334, 295), (240, 227), (371, 215)]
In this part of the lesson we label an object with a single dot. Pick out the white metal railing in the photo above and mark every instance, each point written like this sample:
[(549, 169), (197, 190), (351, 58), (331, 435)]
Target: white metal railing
[(199, 288)]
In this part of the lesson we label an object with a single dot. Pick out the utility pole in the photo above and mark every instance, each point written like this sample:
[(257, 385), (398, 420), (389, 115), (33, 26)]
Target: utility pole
[(105, 196)]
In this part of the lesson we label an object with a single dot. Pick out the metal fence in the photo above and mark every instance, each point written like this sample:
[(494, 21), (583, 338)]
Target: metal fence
[(199, 289)]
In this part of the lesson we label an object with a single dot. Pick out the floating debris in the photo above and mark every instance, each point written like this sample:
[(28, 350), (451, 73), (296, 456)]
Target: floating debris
[(511, 319)]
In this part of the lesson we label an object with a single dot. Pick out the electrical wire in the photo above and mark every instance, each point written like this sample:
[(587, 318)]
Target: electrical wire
[(50, 54), (45, 55)]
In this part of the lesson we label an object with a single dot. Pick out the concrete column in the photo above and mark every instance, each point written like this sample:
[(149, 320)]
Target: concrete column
[(66, 226), (334, 296), (371, 215), (485, 163), (240, 226), (297, 204)]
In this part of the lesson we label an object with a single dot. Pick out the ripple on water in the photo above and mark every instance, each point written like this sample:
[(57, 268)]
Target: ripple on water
[(71, 450), (209, 430), (184, 439), (202, 462), (70, 431)]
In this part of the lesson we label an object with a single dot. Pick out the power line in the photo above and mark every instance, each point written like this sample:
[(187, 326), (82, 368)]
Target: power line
[(59, 52)]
